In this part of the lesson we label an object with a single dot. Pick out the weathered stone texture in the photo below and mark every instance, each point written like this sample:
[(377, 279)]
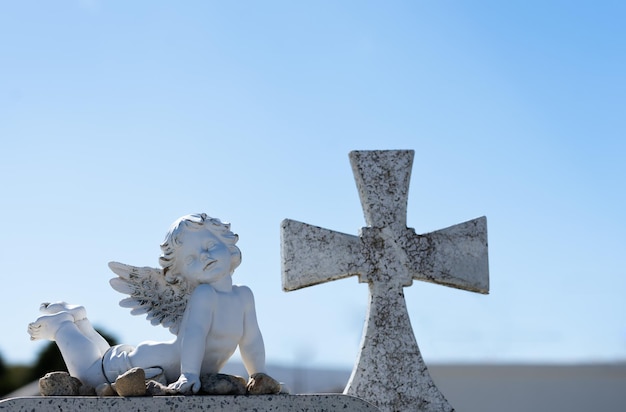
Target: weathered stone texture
[(261, 403), (155, 388), (222, 384), (262, 384), (131, 383), (59, 384), (388, 256)]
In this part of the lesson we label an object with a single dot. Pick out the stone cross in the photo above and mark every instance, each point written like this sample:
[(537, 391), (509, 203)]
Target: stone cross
[(390, 371)]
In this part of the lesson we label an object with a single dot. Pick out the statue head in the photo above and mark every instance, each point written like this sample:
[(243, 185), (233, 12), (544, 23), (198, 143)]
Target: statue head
[(204, 231)]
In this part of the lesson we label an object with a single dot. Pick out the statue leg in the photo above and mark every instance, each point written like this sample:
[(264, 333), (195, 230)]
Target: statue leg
[(121, 358), (80, 319), (82, 357), (156, 358)]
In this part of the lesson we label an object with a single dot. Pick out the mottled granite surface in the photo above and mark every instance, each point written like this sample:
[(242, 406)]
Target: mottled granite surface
[(261, 403)]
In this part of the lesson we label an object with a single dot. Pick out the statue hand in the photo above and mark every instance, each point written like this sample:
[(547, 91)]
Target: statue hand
[(187, 383)]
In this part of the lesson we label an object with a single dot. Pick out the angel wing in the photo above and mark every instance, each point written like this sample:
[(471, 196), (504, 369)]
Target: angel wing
[(163, 302)]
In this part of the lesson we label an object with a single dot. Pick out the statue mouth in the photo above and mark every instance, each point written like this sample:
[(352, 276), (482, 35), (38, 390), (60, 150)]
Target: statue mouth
[(209, 264)]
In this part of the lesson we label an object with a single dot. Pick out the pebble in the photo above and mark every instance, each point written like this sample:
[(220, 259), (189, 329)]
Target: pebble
[(131, 383), (59, 384), (222, 384), (263, 384), (156, 388)]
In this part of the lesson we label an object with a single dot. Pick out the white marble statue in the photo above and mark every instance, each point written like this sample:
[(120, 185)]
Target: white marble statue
[(192, 295)]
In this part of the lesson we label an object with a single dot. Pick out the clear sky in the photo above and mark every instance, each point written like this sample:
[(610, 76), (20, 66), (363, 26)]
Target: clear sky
[(118, 117)]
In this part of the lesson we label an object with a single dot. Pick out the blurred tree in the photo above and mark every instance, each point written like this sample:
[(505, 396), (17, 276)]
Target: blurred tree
[(15, 377), (3, 367), (11, 377), (3, 378)]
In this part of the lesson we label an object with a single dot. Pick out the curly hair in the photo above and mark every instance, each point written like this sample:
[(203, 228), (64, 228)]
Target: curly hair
[(196, 221)]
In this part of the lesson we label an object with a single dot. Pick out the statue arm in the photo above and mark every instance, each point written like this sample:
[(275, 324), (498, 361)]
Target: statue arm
[(193, 334), (251, 346)]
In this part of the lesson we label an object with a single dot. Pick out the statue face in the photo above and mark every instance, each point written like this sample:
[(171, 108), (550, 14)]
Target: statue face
[(202, 257)]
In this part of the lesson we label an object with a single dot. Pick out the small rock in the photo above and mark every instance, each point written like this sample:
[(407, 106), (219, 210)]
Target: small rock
[(263, 384), (160, 378), (155, 388), (86, 390), (59, 384), (105, 389), (222, 384), (131, 383)]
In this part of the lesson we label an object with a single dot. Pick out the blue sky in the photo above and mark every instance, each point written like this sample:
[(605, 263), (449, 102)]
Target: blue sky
[(118, 117)]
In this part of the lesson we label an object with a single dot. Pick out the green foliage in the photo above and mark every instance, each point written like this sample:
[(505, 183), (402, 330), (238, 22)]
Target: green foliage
[(3, 377), (11, 377), (14, 377), (49, 360)]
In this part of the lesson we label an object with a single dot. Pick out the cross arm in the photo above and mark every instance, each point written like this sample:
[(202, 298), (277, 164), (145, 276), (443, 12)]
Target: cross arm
[(455, 256), (311, 255)]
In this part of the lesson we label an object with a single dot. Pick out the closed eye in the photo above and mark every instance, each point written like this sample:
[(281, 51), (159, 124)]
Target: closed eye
[(190, 259)]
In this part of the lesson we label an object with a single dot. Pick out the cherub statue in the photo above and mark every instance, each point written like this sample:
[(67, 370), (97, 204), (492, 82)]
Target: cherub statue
[(192, 295)]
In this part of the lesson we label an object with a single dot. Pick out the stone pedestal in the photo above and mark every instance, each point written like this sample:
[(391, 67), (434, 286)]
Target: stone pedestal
[(260, 403)]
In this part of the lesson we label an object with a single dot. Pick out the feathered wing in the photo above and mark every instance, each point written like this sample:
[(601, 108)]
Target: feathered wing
[(149, 293)]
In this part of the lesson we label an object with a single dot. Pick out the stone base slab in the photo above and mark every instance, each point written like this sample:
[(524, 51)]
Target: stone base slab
[(260, 403)]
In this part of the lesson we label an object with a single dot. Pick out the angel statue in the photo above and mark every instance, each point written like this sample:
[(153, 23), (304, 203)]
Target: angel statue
[(192, 295)]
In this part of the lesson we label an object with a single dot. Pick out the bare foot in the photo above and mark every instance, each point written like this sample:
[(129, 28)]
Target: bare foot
[(46, 326), (77, 311)]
